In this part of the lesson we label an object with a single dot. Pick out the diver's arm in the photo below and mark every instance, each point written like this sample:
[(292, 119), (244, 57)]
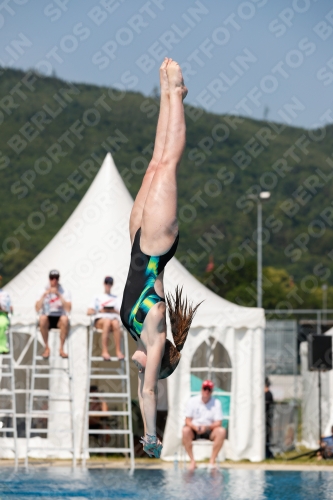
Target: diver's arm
[(141, 378), (149, 389)]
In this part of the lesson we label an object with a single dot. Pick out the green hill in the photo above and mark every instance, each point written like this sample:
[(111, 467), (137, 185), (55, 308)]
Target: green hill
[(54, 135)]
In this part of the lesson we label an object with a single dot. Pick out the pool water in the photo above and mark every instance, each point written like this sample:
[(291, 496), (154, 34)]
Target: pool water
[(98, 484)]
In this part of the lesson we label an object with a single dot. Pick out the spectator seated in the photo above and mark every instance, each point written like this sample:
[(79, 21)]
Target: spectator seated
[(54, 304), (104, 310), (5, 310), (326, 447), (203, 421)]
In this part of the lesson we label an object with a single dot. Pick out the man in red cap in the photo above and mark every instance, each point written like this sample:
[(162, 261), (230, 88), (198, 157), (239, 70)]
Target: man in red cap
[(203, 421)]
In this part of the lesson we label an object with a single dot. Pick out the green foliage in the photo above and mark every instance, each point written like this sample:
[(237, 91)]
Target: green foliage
[(279, 289), (277, 285), (38, 195)]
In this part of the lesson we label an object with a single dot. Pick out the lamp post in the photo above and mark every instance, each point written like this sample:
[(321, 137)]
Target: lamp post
[(264, 195), (324, 289)]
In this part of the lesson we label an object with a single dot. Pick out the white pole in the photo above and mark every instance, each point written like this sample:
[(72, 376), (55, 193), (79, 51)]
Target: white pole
[(259, 255), (324, 289)]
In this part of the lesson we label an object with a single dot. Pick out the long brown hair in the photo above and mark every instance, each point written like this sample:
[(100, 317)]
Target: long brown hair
[(181, 314)]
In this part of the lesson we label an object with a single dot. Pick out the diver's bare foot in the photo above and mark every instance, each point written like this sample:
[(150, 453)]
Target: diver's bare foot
[(120, 355), (63, 354), (164, 82), (175, 77), (192, 466)]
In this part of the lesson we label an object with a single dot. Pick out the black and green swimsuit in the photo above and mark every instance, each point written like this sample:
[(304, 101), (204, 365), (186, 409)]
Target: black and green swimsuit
[(139, 294)]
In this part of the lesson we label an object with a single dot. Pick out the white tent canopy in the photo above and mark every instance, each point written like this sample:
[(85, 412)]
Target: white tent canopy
[(93, 243)]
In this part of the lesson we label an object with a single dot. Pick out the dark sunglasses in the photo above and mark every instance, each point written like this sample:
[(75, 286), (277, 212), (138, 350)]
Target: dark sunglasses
[(207, 389), (54, 277)]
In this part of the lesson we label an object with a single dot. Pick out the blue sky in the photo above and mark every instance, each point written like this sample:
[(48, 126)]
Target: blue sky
[(255, 58)]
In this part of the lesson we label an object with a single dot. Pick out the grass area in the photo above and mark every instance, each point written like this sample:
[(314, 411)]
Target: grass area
[(285, 458)]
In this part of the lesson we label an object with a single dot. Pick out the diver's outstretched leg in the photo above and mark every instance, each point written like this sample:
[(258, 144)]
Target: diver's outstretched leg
[(159, 218), (161, 130)]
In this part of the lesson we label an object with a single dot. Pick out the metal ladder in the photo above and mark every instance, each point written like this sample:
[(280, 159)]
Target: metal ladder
[(42, 369), (7, 379), (110, 373)]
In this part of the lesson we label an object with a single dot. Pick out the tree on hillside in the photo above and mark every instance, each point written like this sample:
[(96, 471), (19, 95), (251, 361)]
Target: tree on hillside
[(279, 289)]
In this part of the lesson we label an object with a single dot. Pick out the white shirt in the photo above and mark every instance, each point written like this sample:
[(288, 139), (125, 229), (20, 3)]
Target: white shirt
[(52, 305), (105, 300), (204, 413), (5, 301)]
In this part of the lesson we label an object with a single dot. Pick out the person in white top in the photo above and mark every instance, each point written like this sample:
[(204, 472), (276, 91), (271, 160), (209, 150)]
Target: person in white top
[(54, 304), (5, 308), (106, 307), (203, 421)]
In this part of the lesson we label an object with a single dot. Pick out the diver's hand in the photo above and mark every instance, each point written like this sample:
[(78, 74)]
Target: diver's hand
[(152, 445)]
